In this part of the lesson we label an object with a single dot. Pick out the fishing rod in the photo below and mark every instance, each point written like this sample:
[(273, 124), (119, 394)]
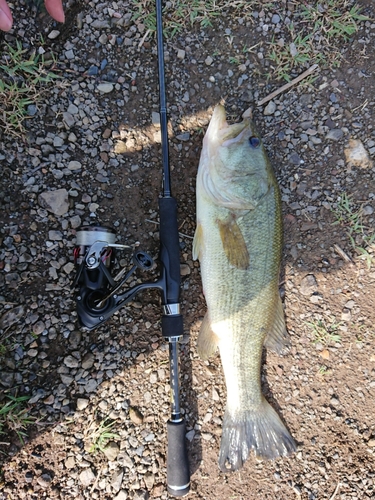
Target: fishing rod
[(98, 297)]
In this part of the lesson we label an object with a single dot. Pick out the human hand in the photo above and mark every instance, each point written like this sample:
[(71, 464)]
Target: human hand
[(54, 8)]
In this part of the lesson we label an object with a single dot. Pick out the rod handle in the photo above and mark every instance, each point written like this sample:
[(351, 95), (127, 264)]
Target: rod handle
[(178, 473), (170, 248)]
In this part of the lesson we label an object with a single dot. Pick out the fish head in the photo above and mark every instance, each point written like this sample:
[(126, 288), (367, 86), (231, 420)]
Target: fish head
[(235, 162)]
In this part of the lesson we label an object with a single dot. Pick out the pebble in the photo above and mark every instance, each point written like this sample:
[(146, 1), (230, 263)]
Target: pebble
[(74, 165), (135, 416), (111, 451), (335, 134), (87, 477), (53, 34), (308, 285), (44, 480), (181, 54), (55, 201), (269, 109), (82, 404), (105, 88), (122, 495), (88, 361)]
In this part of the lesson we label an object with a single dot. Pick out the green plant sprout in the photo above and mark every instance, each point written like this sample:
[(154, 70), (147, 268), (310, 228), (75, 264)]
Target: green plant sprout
[(325, 333), (21, 82), (14, 416), (98, 435)]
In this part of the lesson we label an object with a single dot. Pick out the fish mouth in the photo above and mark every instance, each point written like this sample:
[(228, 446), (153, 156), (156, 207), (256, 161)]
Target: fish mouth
[(219, 128)]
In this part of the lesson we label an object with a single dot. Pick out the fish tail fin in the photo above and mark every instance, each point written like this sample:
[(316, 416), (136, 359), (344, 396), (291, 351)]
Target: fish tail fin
[(261, 431), (277, 338)]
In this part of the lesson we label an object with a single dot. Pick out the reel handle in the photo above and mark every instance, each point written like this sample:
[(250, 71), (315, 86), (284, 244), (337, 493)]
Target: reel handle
[(178, 473)]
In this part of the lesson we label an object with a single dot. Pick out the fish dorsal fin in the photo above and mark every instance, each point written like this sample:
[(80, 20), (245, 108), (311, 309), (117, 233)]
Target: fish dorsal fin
[(234, 244), (197, 242), (207, 339), (277, 338)]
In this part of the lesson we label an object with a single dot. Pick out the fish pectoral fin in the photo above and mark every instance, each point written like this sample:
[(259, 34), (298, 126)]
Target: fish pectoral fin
[(277, 338), (208, 341), (197, 241), (234, 244)]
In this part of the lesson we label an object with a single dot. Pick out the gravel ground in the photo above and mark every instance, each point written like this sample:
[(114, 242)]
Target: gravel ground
[(93, 141)]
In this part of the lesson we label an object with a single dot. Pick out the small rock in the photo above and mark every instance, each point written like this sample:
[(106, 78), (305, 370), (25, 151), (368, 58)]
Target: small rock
[(185, 269), (181, 54), (55, 201), (122, 495), (87, 477), (155, 118), (88, 361), (117, 481), (208, 60), (39, 327), (106, 88), (75, 338), (54, 235), (149, 480), (82, 404), (71, 362), (367, 210), (120, 147), (75, 221), (356, 155), (269, 109), (74, 165), (183, 137), (308, 285), (69, 54), (68, 119), (53, 34), (44, 480), (72, 109), (335, 134), (70, 463), (58, 141), (135, 415), (91, 385), (141, 495), (6, 379), (111, 451), (11, 317)]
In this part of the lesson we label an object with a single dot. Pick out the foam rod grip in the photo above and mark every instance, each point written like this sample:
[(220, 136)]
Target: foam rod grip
[(170, 248), (178, 473)]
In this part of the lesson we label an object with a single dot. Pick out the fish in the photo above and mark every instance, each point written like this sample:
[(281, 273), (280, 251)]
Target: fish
[(238, 241)]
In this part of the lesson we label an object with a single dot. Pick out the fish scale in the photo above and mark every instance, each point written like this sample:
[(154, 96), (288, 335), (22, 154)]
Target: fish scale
[(238, 241)]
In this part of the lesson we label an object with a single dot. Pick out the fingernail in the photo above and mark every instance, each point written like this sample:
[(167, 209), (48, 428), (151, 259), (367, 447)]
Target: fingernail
[(5, 22)]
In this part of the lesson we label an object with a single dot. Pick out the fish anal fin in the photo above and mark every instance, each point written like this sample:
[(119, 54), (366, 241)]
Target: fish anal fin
[(277, 338), (234, 244), (198, 241), (207, 339)]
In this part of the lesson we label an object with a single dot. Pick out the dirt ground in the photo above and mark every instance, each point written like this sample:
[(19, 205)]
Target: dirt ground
[(323, 388)]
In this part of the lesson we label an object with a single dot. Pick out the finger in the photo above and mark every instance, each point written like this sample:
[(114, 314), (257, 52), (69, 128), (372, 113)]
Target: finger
[(55, 9), (6, 19)]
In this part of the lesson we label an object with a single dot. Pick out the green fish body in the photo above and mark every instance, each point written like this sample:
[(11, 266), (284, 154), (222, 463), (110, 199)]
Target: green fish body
[(238, 241)]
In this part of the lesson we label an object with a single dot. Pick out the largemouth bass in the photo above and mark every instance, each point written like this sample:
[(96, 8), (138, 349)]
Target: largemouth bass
[(238, 241)]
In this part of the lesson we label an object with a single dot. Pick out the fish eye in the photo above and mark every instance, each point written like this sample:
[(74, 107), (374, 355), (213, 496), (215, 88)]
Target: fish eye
[(254, 141)]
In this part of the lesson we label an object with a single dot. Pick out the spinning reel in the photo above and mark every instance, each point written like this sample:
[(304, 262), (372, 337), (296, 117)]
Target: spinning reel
[(95, 258)]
